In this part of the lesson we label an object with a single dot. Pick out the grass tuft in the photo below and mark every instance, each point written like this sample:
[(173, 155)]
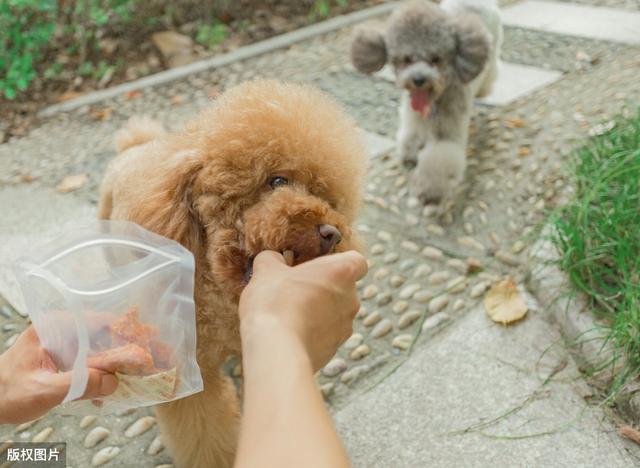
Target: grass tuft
[(598, 235)]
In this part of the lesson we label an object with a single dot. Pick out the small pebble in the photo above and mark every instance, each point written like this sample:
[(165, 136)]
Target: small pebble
[(473, 265), (391, 257), (385, 236), (479, 289), (432, 253), (164, 465), (408, 291), (411, 246), (9, 327), (400, 307), (371, 319), (353, 341), (507, 258), (155, 446), (11, 340), (457, 285), (362, 313), (434, 321), (384, 298), (423, 296), (402, 342), (376, 249), (327, 389), (334, 367), (87, 421), (468, 228), (435, 229), (382, 328), (25, 426), (518, 247), (141, 426), (438, 303), (408, 318), (429, 211), (471, 243), (352, 374), (422, 270), (407, 264), (105, 455), (458, 305), (360, 352), (381, 273), (370, 291), (457, 264), (43, 435), (5, 311), (439, 277), (397, 280), (95, 436)]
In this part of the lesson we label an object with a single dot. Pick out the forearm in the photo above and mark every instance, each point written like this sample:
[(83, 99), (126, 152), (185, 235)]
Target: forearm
[(285, 422)]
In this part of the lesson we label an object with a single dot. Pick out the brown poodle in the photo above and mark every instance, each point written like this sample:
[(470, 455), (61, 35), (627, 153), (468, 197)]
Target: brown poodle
[(267, 166)]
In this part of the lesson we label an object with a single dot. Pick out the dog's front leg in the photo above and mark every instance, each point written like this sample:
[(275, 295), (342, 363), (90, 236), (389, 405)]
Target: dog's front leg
[(201, 431), (410, 137)]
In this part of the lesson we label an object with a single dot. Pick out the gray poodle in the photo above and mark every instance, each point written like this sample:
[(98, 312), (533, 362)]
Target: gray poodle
[(443, 57)]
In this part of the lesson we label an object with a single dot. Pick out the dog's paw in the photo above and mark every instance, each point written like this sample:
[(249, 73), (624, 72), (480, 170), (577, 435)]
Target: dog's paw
[(408, 158)]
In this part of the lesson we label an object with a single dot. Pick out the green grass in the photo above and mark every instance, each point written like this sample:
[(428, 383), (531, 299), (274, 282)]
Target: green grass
[(598, 236)]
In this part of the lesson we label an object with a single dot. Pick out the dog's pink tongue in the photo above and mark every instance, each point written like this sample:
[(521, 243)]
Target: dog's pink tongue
[(420, 102)]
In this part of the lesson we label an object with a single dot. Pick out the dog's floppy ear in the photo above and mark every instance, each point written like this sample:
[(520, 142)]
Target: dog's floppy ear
[(166, 203), (472, 47), (368, 50)]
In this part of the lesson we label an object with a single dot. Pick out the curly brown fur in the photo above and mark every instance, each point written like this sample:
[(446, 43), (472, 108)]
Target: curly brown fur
[(208, 188)]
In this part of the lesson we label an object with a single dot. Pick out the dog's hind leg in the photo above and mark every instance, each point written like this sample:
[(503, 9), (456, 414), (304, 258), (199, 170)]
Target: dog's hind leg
[(201, 431)]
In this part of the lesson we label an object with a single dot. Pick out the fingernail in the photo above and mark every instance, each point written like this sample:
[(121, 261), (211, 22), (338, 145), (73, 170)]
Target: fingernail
[(108, 384)]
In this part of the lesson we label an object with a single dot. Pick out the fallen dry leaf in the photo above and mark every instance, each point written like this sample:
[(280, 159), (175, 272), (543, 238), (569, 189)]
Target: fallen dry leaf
[(71, 183), (524, 151), (135, 94), (629, 433), (101, 114), (69, 95), (177, 99), (503, 302), (514, 123)]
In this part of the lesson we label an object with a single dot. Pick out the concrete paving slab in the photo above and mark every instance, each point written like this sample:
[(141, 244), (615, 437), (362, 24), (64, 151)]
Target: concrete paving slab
[(575, 20), (31, 214), (514, 81), (478, 373)]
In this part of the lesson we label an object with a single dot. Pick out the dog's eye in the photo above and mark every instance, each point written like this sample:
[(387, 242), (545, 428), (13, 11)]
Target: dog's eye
[(435, 60), (407, 59), (278, 182)]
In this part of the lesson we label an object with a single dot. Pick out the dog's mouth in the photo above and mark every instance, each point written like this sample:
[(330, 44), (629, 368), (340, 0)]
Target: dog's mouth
[(421, 101)]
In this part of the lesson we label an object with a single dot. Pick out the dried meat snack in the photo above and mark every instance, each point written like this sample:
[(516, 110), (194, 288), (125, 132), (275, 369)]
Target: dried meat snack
[(128, 359), (129, 329), (162, 354)]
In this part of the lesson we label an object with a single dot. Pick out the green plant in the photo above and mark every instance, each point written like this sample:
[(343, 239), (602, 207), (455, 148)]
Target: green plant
[(210, 35), (322, 8), (26, 26), (598, 234)]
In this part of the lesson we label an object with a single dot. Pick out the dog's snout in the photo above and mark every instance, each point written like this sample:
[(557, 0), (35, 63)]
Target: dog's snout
[(330, 236), (419, 81)]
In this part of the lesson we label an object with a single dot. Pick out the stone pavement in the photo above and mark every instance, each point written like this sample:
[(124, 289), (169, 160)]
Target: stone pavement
[(463, 372)]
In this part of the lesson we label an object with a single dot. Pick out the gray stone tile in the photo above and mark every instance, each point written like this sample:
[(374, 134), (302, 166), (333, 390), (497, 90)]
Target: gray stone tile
[(377, 145), (575, 20)]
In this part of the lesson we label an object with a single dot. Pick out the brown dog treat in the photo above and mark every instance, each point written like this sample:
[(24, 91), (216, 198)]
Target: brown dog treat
[(129, 329), (129, 359), (288, 257)]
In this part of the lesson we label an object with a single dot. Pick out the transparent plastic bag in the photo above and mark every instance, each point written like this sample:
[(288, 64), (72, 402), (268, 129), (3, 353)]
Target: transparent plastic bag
[(115, 296)]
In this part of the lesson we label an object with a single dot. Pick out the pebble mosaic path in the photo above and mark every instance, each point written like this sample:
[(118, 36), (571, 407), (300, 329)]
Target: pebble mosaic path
[(424, 270)]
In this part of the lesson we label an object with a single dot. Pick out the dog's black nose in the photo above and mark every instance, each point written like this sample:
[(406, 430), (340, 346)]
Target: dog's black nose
[(329, 237), (419, 80)]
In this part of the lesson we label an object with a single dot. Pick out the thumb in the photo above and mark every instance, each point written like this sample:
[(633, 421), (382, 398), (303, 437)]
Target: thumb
[(99, 384), (267, 259)]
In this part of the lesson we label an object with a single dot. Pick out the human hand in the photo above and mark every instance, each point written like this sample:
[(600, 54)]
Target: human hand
[(314, 302), (31, 385)]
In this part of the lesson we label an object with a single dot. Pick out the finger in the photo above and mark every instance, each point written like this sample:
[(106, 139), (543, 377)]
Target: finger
[(99, 384), (266, 260), (352, 264)]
